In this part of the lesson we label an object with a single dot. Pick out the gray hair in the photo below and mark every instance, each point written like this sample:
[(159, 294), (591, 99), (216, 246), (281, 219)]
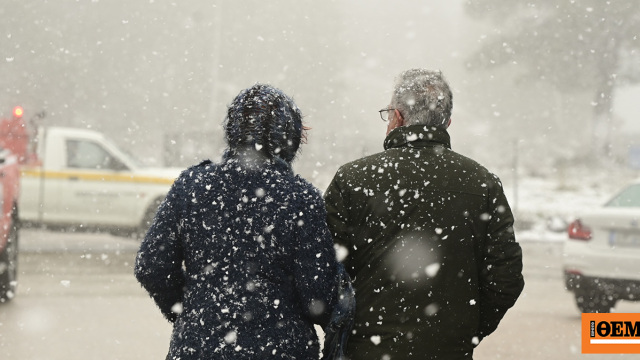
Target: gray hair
[(423, 97)]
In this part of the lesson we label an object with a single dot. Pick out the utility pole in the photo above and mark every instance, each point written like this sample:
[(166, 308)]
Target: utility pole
[(215, 58), (515, 175)]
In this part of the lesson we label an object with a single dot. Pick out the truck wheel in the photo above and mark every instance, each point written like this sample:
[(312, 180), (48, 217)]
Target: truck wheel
[(9, 265), (147, 219), (594, 302)]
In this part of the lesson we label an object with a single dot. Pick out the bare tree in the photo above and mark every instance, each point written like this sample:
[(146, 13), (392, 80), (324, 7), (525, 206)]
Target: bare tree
[(575, 45)]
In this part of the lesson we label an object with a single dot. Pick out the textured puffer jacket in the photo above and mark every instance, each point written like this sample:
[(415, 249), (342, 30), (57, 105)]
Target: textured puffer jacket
[(239, 256)]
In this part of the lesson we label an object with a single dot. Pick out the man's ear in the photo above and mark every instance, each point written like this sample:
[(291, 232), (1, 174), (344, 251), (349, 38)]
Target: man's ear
[(396, 122), (449, 123), (399, 118)]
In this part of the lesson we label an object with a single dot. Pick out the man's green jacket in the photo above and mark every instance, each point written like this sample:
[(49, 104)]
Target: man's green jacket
[(431, 248)]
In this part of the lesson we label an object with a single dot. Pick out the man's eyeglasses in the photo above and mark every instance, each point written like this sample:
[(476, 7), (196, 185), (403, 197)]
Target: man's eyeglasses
[(384, 113)]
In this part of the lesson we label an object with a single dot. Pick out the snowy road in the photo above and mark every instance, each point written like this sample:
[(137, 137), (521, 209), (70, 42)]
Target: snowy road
[(77, 299)]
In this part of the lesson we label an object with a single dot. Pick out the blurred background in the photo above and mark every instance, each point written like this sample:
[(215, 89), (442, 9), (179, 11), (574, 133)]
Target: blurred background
[(541, 88), (545, 96)]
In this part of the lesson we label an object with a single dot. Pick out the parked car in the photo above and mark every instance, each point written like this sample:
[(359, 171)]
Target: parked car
[(602, 254)]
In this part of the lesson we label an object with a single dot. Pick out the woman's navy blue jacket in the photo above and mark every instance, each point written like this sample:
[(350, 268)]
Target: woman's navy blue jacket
[(240, 259)]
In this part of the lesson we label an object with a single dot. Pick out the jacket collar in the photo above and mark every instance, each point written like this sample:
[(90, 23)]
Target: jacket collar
[(417, 136), (249, 159)]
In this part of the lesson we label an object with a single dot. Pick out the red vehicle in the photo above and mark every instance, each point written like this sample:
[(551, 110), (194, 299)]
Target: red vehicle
[(13, 148)]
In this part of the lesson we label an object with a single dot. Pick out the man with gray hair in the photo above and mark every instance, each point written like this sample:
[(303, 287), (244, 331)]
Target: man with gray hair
[(428, 235)]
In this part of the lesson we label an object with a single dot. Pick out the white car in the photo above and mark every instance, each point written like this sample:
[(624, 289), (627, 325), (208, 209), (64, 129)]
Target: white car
[(602, 254)]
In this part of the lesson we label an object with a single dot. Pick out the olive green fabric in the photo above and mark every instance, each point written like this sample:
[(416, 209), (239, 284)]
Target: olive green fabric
[(431, 248)]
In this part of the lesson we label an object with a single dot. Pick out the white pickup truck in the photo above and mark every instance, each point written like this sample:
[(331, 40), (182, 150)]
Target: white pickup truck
[(79, 178)]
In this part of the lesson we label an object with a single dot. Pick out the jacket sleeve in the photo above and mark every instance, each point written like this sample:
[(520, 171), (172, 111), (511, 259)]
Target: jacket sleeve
[(501, 280), (338, 212), (158, 265), (315, 266)]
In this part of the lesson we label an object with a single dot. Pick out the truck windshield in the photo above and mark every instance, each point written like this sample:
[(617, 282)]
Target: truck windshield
[(137, 162), (126, 154)]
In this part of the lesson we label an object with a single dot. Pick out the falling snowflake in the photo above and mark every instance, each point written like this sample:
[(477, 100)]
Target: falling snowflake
[(375, 339)]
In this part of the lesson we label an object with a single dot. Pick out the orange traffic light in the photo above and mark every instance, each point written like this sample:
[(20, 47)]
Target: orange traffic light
[(18, 111)]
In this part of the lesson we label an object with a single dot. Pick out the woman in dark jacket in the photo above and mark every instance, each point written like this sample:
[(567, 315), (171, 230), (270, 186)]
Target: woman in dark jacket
[(239, 256)]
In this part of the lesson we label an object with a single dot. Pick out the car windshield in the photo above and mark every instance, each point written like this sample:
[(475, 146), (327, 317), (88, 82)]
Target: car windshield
[(629, 197)]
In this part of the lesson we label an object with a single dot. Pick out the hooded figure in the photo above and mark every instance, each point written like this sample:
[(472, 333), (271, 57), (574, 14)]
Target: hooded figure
[(239, 257)]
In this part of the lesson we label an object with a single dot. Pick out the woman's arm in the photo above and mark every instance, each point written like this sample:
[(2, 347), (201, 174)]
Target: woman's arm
[(158, 265), (315, 263)]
